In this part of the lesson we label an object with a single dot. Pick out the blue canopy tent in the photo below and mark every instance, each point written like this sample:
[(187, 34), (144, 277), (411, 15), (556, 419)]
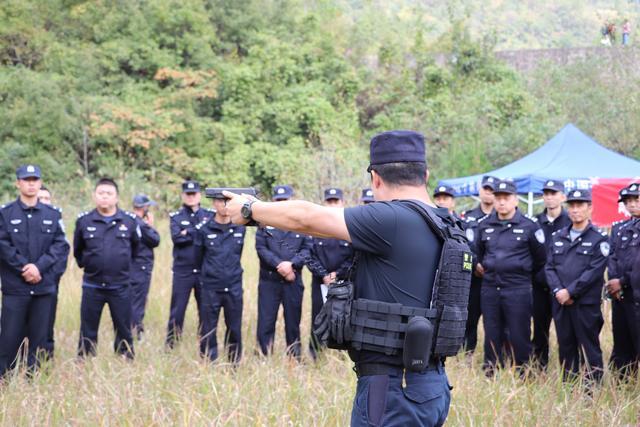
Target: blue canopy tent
[(570, 156)]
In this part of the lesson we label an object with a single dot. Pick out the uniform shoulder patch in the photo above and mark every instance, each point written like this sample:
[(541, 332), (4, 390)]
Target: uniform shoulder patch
[(539, 234), (531, 218), (605, 248)]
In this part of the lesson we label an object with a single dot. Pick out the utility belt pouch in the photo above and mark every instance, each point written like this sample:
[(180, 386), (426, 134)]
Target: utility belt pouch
[(418, 340)]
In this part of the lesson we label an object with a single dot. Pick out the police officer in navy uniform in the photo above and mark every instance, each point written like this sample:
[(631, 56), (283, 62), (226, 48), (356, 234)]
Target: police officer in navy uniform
[(398, 255), (624, 243), (220, 245), (551, 219), (105, 243), (186, 258), (143, 263), (470, 221), (45, 197), (445, 197), (282, 255), (367, 196), (32, 244), (511, 251), (330, 261), (576, 260)]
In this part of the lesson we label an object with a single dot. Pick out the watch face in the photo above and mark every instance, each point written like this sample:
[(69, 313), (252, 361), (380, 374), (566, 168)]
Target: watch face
[(246, 211)]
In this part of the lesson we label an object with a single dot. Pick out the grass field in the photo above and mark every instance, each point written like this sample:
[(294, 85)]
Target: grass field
[(178, 388)]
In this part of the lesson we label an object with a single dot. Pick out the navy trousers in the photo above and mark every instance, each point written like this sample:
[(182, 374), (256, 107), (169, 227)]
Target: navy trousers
[(578, 328), (119, 302), (23, 314), (625, 355), (542, 316), (50, 342), (183, 283), (471, 331), (381, 400), (272, 293), (211, 304), (508, 309), (140, 284)]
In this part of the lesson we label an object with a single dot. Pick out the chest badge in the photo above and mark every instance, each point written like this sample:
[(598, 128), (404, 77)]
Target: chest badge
[(16, 221), (91, 229), (489, 230), (185, 222), (123, 227), (47, 222), (518, 231), (211, 236)]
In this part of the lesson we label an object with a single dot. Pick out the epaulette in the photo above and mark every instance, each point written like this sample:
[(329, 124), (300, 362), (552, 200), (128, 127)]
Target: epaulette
[(210, 210), (81, 214), (172, 214), (131, 214), (55, 208), (531, 218)]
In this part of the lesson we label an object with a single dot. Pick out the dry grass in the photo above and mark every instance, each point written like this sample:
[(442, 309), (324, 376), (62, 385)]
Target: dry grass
[(178, 388)]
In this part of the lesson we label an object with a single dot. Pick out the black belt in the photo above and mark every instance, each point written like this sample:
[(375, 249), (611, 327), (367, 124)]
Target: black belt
[(366, 369)]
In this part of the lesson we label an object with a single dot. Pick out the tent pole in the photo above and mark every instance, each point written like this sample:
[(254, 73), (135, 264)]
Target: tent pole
[(530, 204)]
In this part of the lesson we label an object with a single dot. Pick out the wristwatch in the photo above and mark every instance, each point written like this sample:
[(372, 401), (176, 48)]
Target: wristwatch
[(246, 213)]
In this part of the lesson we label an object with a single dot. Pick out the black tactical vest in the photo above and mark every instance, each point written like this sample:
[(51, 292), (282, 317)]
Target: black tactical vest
[(379, 326)]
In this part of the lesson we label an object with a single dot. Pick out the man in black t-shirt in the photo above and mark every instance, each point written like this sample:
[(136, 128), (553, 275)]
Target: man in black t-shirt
[(398, 255)]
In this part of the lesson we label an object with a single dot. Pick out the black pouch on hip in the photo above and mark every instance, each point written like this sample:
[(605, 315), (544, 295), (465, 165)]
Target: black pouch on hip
[(418, 340)]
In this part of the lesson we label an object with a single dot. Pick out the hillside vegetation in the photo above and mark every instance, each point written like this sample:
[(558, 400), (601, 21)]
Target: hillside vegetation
[(255, 92)]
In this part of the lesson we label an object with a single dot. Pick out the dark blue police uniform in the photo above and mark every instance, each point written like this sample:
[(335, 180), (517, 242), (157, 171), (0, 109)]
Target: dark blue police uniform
[(396, 267), (511, 252), (186, 267), (470, 223), (28, 235), (220, 247), (58, 270), (273, 247), (327, 256), (625, 243), (542, 298), (141, 270), (105, 248), (578, 266)]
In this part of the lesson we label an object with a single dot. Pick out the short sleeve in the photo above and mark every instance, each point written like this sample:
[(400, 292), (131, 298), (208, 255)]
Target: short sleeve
[(371, 227)]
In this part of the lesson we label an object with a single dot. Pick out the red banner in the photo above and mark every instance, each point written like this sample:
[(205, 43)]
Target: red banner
[(606, 209)]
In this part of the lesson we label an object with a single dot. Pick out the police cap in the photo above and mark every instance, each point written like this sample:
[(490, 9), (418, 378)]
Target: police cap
[(190, 186), (444, 189), (282, 192), (396, 146), (332, 194), (28, 171), (632, 190), (367, 196), (142, 201), (553, 185), (579, 196), (506, 186), (489, 181)]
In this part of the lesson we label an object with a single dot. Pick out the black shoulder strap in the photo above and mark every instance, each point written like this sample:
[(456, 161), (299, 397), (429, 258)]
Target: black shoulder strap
[(436, 223)]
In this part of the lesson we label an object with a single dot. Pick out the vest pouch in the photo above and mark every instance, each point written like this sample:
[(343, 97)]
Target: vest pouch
[(451, 329), (418, 340)]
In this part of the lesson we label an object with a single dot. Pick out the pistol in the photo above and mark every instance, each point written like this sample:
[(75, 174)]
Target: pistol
[(216, 193)]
